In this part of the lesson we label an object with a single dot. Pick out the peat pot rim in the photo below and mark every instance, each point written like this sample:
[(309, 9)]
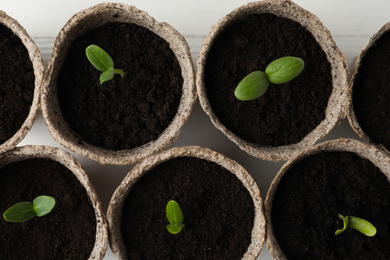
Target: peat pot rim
[(336, 108), (70, 162), (372, 153), (352, 76), (94, 17), (120, 194), (38, 66)]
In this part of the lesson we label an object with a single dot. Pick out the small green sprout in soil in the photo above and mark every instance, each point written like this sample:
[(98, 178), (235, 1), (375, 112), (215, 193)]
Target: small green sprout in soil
[(175, 217), (103, 62), (279, 71), (24, 211), (361, 225)]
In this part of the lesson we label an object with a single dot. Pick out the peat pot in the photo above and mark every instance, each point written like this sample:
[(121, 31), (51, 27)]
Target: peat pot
[(368, 106), (220, 202), (74, 229), (127, 118), (306, 197), (21, 75), (291, 116)]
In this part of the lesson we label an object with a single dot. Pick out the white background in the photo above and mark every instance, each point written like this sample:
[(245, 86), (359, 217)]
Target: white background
[(350, 22)]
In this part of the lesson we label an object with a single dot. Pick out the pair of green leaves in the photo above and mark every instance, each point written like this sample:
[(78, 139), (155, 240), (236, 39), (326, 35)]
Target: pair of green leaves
[(24, 211), (279, 71), (103, 62), (174, 216), (361, 225)]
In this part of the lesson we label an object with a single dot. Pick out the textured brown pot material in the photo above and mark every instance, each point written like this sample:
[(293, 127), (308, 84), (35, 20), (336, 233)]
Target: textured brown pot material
[(21, 75), (369, 96), (291, 116), (221, 205), (127, 118), (74, 229), (343, 176)]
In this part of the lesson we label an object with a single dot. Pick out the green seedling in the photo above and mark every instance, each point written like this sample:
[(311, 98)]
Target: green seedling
[(279, 71), (103, 62), (175, 217), (361, 225), (24, 211)]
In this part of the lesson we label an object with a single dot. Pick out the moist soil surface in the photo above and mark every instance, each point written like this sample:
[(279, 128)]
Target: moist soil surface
[(218, 213), (17, 83), (287, 112), (314, 191), (127, 112), (67, 232), (371, 92)]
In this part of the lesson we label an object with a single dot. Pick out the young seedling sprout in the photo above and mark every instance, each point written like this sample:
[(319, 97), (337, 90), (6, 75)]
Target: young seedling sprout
[(103, 62), (175, 217), (279, 71), (361, 225), (24, 211)]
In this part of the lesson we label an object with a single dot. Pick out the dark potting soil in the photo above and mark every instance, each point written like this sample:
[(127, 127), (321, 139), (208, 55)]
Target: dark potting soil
[(287, 112), (218, 213), (17, 83), (314, 191), (371, 92), (67, 232), (127, 112)]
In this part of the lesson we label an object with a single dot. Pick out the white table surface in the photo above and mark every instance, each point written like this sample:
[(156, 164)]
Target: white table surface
[(350, 22)]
